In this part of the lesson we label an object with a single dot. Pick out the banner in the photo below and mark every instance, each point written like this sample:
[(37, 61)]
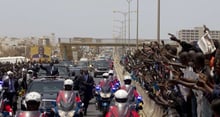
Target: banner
[(41, 53)]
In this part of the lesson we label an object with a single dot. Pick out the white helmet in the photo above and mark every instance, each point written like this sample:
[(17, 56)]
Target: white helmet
[(68, 82), (127, 77), (121, 94), (33, 96), (30, 71), (105, 75), (10, 73), (111, 72), (127, 80)]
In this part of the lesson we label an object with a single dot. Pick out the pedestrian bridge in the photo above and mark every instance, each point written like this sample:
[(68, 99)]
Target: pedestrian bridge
[(68, 45), (99, 42)]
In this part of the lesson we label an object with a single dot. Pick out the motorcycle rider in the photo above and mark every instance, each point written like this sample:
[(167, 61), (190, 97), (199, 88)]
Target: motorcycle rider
[(105, 80), (103, 83), (113, 79), (132, 92), (111, 75), (121, 108), (68, 86), (32, 100)]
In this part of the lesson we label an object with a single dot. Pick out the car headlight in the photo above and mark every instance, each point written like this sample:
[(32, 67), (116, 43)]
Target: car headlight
[(105, 95), (66, 114)]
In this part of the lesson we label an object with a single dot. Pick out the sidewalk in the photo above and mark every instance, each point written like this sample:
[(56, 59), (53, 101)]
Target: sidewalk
[(150, 108)]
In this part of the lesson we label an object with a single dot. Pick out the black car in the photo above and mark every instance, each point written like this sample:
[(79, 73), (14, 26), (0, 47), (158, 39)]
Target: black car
[(48, 88), (101, 66)]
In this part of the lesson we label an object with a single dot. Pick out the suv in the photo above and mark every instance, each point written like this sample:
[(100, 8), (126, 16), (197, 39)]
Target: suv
[(101, 66)]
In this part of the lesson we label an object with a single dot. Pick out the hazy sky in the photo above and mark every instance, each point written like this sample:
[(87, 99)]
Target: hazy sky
[(94, 18)]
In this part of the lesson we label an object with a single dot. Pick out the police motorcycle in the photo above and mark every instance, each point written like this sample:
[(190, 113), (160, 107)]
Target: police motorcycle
[(104, 95), (134, 98), (5, 108), (69, 105)]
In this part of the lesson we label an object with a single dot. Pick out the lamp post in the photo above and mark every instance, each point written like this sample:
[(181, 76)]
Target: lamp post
[(137, 34), (158, 21), (129, 23), (118, 37), (125, 20), (124, 14), (122, 29)]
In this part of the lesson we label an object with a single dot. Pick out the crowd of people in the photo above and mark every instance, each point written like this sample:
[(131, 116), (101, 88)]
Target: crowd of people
[(184, 83)]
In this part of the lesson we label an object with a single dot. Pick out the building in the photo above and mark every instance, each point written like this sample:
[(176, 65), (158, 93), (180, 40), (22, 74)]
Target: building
[(45, 41), (190, 35)]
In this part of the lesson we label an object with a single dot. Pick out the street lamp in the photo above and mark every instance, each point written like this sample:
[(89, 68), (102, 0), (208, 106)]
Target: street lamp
[(129, 16), (125, 20), (158, 21), (137, 24), (118, 37), (124, 14), (122, 28)]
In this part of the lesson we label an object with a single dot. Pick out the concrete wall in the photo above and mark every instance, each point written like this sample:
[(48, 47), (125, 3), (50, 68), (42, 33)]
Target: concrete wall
[(150, 108)]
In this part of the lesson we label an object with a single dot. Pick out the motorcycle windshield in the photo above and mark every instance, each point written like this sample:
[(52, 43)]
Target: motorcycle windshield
[(67, 101), (106, 88), (28, 114)]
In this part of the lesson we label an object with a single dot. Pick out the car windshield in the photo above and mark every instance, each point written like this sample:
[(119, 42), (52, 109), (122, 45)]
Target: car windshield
[(83, 63), (101, 63), (63, 71), (76, 70), (42, 87), (66, 62)]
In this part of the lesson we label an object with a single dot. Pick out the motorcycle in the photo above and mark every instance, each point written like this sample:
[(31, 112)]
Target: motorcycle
[(104, 96), (5, 108), (69, 106)]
